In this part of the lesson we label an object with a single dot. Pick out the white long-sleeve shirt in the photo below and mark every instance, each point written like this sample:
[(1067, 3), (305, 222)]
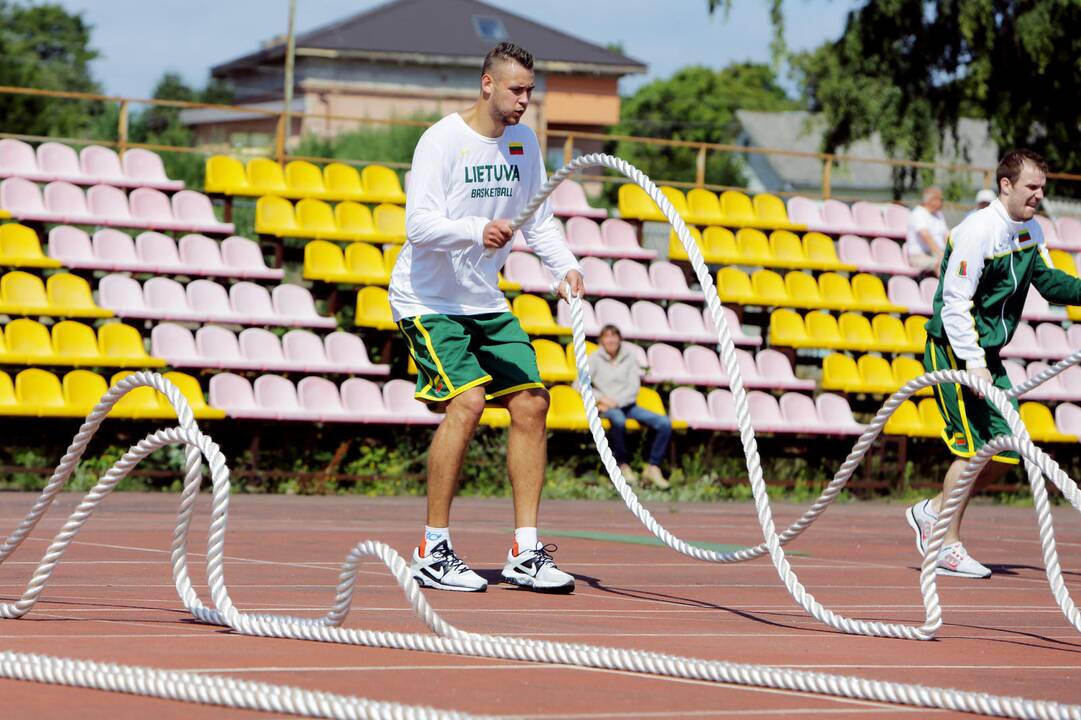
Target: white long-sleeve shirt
[(460, 181)]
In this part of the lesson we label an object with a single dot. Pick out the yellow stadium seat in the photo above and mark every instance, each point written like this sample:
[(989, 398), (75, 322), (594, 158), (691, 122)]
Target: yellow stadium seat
[(905, 369), (75, 343), (141, 402), (890, 334), (905, 421), (191, 389), (933, 424), (823, 331), (373, 309), (324, 261), (70, 295), (836, 292), (917, 336), (772, 213), (9, 405), (591, 347), (650, 399), (839, 372), (552, 362), (304, 179), (856, 332), (566, 411), (23, 294), (122, 345), (877, 374), (390, 256), (316, 220), (802, 289), (1059, 258), (787, 250), (769, 289), (274, 216), (6, 356), (381, 185), (342, 182), (705, 208), (737, 209), (536, 317), (754, 247), (83, 390), (635, 204), (821, 253), (870, 294), (676, 251), (787, 328), (734, 286), (366, 262), (19, 245), (29, 342), (506, 285), (355, 220), (497, 417), (226, 175), (39, 393), (720, 246), (678, 200), (389, 221), (1041, 425), (265, 177)]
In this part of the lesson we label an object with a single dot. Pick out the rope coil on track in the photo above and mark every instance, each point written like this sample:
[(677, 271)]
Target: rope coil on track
[(448, 639)]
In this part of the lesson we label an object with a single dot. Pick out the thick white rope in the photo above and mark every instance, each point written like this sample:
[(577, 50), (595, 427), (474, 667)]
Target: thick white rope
[(451, 640)]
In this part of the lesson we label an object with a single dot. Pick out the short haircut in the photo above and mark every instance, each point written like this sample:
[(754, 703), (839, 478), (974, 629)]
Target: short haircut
[(1012, 163), (505, 51), (610, 328), (929, 192)]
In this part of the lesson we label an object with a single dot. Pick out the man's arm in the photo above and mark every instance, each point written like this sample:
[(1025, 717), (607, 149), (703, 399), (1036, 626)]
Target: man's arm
[(1055, 285), (932, 244), (426, 221), (959, 282)]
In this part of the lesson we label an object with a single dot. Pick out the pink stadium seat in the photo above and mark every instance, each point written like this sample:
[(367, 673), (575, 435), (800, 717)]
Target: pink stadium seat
[(1023, 344), (928, 289), (194, 212), (320, 397), (766, 413), (666, 365), (748, 370), (905, 292), (23, 200), (234, 394), (1015, 371), (151, 209), (110, 205), (735, 328), (306, 352), (639, 354), (210, 302), (613, 312), (1069, 234), (1068, 419), (60, 162), (621, 240), (115, 250), (689, 405), (1052, 338), (854, 250), (668, 280), (600, 280), (346, 352), (176, 345), (774, 370), (399, 401), (166, 300), (563, 317), (72, 247), (835, 414), (526, 270), (800, 414), (219, 348), (262, 348), (897, 218), (252, 303), (569, 200), (518, 243), (1070, 381), (144, 168), (67, 204), (242, 254), (101, 166), (804, 211), (278, 394), (1049, 390), (295, 306), (722, 408), (363, 400), (158, 253), (889, 255), (651, 322), (1050, 232), (838, 217), (704, 367), (17, 159), (1036, 308), (124, 296), (686, 323), (872, 222), (203, 256), (1073, 335), (584, 237)]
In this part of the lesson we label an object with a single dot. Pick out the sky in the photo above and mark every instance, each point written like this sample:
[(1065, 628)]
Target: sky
[(139, 40)]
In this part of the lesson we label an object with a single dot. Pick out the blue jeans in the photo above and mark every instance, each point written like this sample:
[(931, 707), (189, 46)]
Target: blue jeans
[(617, 434)]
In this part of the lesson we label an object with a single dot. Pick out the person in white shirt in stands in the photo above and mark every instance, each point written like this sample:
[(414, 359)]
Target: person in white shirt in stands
[(472, 171), (983, 198), (927, 229)]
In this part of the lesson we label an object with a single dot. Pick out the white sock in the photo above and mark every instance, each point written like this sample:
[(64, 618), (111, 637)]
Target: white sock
[(525, 538), (432, 537)]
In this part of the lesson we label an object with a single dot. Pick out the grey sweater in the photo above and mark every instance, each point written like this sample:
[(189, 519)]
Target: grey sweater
[(618, 378)]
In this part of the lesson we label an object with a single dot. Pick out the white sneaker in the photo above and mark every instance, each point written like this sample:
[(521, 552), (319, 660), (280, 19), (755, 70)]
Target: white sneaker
[(535, 569), (629, 474), (921, 518), (955, 560), (442, 569)]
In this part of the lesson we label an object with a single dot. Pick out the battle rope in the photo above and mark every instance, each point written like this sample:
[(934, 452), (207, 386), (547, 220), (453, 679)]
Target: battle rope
[(451, 640)]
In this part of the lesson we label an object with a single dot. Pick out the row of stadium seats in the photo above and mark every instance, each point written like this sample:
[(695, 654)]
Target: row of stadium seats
[(150, 252), (302, 179), (64, 295), (205, 301), (93, 165), (799, 289), (613, 238), (870, 374), (315, 219), (720, 246), (28, 342), (150, 209), (643, 320), (794, 413), (926, 421), (626, 278), (852, 331), (862, 218), (1064, 386), (40, 393), (702, 207), (1045, 341), (1064, 234), (212, 346)]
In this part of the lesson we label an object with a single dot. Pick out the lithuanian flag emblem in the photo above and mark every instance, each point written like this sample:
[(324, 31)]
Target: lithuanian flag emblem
[(516, 149), (1023, 236), (962, 269)]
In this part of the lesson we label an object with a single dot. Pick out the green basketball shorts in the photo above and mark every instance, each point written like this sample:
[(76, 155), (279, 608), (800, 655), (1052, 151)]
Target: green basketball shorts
[(970, 421), (454, 353)]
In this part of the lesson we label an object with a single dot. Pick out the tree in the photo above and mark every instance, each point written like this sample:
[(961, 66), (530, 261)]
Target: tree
[(696, 104), (44, 46)]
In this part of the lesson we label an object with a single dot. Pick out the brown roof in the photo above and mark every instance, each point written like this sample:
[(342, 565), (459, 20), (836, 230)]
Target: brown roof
[(443, 30)]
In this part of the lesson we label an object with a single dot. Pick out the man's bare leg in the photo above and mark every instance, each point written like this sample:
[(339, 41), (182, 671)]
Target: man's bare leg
[(527, 452), (447, 451), (992, 472)]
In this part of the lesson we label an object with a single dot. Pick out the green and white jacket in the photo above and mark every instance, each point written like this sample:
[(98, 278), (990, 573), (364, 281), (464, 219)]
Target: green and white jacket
[(989, 263)]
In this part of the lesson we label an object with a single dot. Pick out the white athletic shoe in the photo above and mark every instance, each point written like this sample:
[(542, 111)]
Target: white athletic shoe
[(535, 569), (955, 560), (921, 518), (442, 569)]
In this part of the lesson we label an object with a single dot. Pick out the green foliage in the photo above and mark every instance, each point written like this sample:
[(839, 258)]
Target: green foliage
[(696, 104), (383, 143)]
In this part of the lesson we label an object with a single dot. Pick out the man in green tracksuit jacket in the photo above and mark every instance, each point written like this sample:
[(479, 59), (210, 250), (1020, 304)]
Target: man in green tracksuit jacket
[(990, 261)]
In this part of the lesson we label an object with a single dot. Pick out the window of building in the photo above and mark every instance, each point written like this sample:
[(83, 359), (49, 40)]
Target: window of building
[(489, 28)]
